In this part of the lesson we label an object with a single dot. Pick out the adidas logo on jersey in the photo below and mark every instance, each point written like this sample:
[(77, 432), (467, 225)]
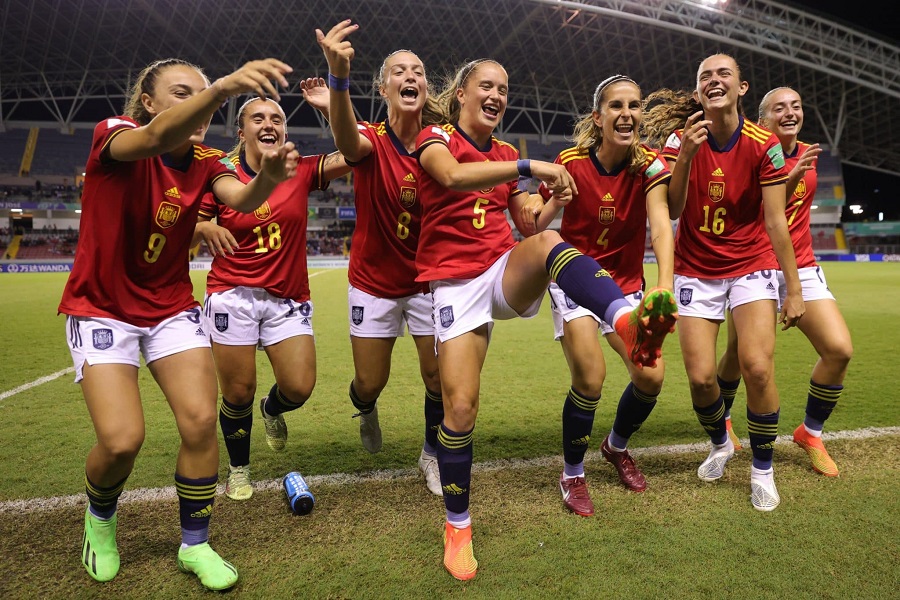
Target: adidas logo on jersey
[(718, 173), (607, 198), (172, 192), (410, 178)]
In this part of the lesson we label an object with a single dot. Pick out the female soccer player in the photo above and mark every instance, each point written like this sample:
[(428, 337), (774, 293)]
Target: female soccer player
[(257, 291), (728, 187), (781, 111), (622, 183), (130, 294), (478, 273), (384, 297)]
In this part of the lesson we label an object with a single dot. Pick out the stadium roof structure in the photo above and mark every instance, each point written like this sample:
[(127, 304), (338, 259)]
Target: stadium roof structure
[(68, 63)]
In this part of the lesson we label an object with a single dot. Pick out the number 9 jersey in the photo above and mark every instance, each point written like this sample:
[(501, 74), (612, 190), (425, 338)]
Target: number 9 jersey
[(137, 222)]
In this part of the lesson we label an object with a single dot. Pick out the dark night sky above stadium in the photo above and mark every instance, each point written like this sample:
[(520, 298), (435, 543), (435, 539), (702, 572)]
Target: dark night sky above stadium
[(875, 191)]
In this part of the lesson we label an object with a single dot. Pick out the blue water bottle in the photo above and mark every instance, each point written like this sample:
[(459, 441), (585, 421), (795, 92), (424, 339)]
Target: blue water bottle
[(298, 494)]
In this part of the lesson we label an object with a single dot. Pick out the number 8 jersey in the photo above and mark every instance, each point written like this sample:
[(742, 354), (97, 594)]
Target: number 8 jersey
[(463, 233), (137, 222)]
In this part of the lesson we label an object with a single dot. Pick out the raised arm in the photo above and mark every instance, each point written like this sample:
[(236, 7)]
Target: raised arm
[(173, 127), (694, 135), (277, 166), (338, 53)]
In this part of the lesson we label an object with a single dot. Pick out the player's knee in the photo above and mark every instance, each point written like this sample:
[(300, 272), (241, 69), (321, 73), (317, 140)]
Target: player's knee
[(239, 393), (838, 357), (461, 415), (298, 391), (702, 387), (549, 239), (757, 375), (368, 387), (123, 447)]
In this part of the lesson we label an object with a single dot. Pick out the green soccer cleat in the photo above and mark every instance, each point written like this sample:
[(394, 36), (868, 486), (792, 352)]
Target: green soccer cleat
[(214, 572), (99, 553), (645, 328)]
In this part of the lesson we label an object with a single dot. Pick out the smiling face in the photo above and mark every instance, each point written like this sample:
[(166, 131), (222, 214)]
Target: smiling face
[(404, 86), (262, 128), (482, 98), (781, 112), (174, 84), (618, 114), (719, 84)]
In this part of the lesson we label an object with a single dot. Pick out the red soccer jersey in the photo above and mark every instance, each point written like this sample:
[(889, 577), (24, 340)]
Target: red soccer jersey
[(722, 233), (607, 220), (463, 233), (137, 222), (271, 252), (388, 217), (799, 209)]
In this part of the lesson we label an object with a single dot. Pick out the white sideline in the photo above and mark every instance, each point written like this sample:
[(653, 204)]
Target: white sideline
[(35, 383), (168, 493), (47, 378)]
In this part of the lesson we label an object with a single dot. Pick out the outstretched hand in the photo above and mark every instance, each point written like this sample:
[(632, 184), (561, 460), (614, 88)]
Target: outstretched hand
[(337, 48), (807, 160), (256, 76), (315, 92), (281, 164)]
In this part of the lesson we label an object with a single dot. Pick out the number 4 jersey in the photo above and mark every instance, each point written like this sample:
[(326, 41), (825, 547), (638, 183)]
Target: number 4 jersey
[(137, 222)]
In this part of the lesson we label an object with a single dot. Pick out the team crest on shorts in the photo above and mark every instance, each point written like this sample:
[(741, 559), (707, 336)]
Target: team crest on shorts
[(103, 338), (356, 314), (685, 295), (446, 316), (570, 304), (221, 321)]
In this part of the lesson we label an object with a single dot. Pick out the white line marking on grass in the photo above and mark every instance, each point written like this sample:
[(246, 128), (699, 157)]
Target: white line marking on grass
[(36, 382), (168, 492)]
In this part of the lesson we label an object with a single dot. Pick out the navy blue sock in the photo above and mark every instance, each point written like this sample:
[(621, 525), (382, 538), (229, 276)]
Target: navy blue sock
[(277, 403), (195, 504), (634, 408), (434, 414), (729, 391), (363, 407), (819, 403), (236, 423), (103, 500), (454, 456), (577, 423), (763, 430), (712, 418), (586, 282)]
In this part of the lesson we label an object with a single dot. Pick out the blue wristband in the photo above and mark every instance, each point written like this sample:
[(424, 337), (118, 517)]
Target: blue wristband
[(523, 166), (339, 84)]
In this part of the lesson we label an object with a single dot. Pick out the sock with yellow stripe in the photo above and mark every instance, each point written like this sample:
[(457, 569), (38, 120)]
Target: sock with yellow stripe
[(454, 456), (586, 282), (577, 423), (729, 391), (103, 501), (634, 408), (819, 404), (434, 414), (277, 403), (236, 422), (712, 418), (195, 503), (763, 430)]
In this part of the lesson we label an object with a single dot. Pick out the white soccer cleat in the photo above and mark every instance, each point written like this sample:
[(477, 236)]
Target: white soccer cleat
[(428, 465), (370, 430), (276, 428), (713, 467), (763, 493)]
